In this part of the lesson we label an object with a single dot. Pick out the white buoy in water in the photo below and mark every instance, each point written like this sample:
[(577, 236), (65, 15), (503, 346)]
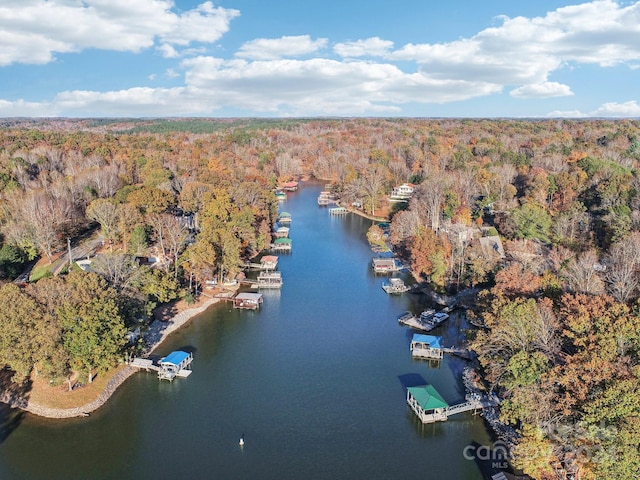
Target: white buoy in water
[(241, 443)]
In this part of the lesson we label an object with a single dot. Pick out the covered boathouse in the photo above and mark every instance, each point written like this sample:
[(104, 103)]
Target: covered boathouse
[(427, 404), (247, 300), (269, 262), (281, 245), (176, 364), (384, 265), (426, 346)]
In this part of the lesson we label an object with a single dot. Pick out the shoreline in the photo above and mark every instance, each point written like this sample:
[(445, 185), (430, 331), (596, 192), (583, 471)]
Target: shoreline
[(158, 332)]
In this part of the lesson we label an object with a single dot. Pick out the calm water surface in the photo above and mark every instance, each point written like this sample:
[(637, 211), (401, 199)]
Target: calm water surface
[(314, 381)]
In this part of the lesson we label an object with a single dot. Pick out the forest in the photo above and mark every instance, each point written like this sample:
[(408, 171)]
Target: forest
[(538, 219)]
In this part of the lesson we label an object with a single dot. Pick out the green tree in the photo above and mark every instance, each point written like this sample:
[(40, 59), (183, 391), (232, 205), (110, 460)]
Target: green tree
[(93, 327), (532, 221)]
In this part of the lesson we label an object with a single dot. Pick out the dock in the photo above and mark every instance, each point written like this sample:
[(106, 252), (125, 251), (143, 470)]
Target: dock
[(269, 279), (338, 211), (384, 265), (247, 301), (281, 245), (176, 364), (430, 407), (427, 321), (395, 286)]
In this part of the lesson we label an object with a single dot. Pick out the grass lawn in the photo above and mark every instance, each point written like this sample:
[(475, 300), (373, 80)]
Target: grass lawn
[(59, 396)]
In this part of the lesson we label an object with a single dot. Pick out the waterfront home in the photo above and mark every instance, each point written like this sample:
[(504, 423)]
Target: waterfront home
[(427, 403), (402, 193), (426, 346), (384, 265), (269, 262), (247, 300)]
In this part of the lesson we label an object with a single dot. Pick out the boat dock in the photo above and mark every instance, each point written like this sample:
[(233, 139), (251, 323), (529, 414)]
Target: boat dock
[(281, 245), (268, 280), (176, 364), (395, 286), (338, 211), (430, 407), (247, 300)]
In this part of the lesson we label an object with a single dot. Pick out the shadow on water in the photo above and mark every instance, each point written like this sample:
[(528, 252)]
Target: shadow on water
[(14, 393), (411, 380)]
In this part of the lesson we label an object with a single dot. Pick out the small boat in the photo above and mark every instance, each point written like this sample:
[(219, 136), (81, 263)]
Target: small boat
[(426, 315), (395, 286), (241, 442)]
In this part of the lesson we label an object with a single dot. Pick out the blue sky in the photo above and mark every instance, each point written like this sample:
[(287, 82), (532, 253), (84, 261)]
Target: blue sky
[(285, 58)]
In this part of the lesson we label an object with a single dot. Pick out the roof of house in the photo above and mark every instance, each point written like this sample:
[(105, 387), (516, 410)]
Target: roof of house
[(269, 259), (492, 246), (384, 261), (282, 240), (285, 214), (431, 340), (174, 358), (427, 397)]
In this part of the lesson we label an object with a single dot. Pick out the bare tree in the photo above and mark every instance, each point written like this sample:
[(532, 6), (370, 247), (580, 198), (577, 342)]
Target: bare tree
[(582, 275), (428, 199), (623, 268), (105, 212)]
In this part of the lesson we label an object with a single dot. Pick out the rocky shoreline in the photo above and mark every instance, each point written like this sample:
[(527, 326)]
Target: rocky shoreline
[(158, 331)]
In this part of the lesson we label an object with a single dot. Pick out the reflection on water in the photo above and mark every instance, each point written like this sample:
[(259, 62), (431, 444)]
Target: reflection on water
[(313, 381)]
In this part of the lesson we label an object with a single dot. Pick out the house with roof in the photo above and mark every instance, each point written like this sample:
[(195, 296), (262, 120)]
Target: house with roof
[(402, 193)]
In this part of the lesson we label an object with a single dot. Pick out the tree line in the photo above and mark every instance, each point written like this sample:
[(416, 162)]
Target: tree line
[(558, 312)]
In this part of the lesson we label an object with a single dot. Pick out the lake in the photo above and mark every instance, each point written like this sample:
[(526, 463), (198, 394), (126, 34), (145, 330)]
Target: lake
[(314, 382)]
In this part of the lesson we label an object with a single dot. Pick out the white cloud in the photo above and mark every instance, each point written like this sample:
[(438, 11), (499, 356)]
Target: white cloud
[(275, 48), (33, 31), (613, 109), (167, 51), (542, 90), (524, 51), (373, 46), (630, 109), (21, 108)]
